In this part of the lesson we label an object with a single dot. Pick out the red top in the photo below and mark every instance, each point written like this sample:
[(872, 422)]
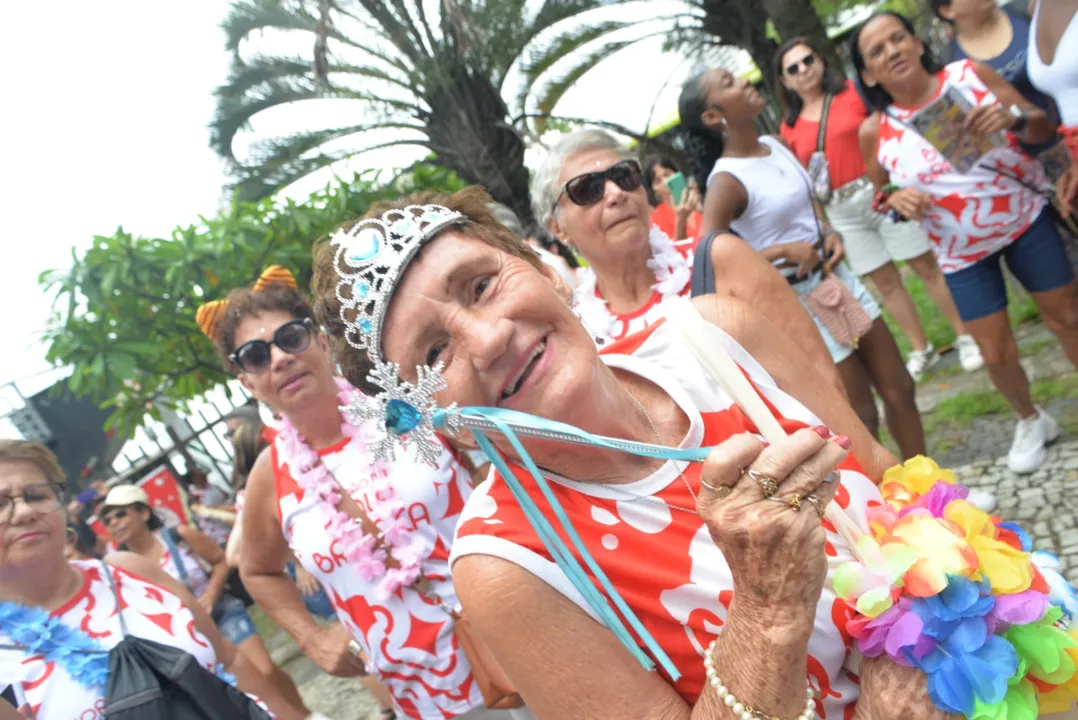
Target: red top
[(841, 145), (665, 218)]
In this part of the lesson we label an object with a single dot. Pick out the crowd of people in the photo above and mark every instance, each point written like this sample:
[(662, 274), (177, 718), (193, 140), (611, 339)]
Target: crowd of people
[(423, 560)]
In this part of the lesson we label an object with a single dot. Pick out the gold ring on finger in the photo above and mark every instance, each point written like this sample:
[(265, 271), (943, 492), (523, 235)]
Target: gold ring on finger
[(816, 503), (767, 483), (795, 501), (721, 491)]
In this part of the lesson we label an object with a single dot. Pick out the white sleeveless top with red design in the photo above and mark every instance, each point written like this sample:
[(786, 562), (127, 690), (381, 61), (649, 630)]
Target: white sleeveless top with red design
[(149, 611), (608, 327), (974, 214), (650, 542), (408, 638)]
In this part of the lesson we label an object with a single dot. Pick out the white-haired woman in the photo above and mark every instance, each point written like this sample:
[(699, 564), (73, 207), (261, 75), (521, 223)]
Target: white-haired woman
[(589, 192)]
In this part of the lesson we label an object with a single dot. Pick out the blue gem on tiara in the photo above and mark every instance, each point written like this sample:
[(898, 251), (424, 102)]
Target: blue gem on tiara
[(401, 418), (364, 246), (362, 289), (365, 325)]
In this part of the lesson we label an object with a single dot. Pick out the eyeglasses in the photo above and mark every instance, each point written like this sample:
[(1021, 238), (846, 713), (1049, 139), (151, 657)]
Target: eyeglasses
[(808, 61), (254, 355), (42, 499), (114, 515), (589, 188)]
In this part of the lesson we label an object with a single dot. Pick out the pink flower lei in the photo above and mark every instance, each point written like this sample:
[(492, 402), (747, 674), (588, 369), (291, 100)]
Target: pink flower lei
[(366, 553)]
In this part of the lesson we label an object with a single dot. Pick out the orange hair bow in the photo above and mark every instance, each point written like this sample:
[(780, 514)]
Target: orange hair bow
[(209, 315)]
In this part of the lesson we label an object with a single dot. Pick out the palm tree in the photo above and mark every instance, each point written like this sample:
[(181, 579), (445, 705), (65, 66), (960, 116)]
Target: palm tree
[(407, 78)]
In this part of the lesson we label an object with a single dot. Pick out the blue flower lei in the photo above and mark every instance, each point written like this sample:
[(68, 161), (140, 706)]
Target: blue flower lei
[(34, 630)]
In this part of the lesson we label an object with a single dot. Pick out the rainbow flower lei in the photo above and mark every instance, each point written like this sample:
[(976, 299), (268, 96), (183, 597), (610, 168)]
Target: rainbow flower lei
[(944, 587)]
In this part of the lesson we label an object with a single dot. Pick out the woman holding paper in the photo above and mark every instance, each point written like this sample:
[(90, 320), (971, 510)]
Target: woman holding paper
[(982, 200), (735, 544)]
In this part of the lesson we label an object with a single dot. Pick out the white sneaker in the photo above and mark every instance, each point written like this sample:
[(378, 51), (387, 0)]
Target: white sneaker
[(920, 360), (969, 355), (1030, 436), (982, 500)]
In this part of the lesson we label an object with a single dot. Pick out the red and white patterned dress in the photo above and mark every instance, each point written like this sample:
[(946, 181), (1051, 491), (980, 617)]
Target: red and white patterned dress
[(656, 551), (408, 639), (974, 214), (150, 612)]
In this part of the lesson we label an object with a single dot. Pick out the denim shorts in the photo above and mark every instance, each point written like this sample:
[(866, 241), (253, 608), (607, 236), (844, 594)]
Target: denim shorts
[(1037, 258), (318, 604), (232, 620)]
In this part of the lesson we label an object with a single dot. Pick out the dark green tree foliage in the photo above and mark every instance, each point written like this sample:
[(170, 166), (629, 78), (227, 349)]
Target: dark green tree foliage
[(125, 317)]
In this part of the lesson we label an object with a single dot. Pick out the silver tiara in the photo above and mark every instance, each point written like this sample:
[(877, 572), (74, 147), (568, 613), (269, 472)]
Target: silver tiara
[(370, 258)]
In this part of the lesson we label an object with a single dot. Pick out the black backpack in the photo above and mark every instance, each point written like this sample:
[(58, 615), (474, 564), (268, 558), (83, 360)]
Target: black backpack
[(151, 680)]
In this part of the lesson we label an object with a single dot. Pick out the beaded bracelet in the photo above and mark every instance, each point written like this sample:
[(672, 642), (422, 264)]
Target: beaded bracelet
[(742, 709)]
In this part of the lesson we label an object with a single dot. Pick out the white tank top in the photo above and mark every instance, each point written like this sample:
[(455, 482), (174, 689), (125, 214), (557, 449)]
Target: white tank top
[(649, 540), (149, 611), (974, 214), (1060, 79), (408, 639), (779, 206), (196, 578)]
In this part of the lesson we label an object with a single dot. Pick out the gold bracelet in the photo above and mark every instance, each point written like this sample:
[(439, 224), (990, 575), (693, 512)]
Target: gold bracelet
[(742, 709)]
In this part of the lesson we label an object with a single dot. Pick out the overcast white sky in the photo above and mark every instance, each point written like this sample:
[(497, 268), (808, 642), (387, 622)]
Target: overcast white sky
[(106, 106)]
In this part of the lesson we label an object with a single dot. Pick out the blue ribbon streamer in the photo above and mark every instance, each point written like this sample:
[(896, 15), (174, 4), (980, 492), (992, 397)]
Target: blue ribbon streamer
[(502, 420)]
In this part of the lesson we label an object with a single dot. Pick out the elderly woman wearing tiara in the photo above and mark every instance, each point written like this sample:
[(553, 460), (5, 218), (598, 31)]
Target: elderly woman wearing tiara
[(719, 568)]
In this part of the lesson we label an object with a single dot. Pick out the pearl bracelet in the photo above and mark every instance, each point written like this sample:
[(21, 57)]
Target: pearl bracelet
[(744, 710)]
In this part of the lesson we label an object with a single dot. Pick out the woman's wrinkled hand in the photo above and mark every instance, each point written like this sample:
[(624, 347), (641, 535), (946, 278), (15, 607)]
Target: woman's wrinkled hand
[(986, 120), (306, 582), (910, 203), (894, 692), (774, 550)]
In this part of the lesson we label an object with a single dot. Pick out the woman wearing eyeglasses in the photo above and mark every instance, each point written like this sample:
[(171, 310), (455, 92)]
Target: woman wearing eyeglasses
[(814, 96), (993, 211), (196, 561), (589, 192), (385, 586), (756, 187), (41, 589)]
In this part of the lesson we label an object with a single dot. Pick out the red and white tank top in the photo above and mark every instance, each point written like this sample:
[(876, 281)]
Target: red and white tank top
[(408, 639), (684, 592), (194, 576), (974, 214), (149, 611), (608, 327)]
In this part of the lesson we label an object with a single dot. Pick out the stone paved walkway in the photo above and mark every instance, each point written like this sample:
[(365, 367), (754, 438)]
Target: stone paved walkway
[(1045, 503)]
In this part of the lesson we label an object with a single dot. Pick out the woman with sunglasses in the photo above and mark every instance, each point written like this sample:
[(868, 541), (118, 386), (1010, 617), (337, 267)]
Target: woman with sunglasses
[(589, 192), (383, 586), (39, 587), (195, 560), (995, 210), (812, 95), (756, 187), (729, 584)]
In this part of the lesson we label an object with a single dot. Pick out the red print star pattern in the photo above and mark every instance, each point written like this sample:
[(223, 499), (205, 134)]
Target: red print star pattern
[(977, 213)]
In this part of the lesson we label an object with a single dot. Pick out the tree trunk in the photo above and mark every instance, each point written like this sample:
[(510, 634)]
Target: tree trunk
[(797, 17), (469, 132)]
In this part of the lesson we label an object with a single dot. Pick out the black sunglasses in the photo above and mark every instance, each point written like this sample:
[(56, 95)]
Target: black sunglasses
[(589, 188), (808, 61), (254, 355)]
